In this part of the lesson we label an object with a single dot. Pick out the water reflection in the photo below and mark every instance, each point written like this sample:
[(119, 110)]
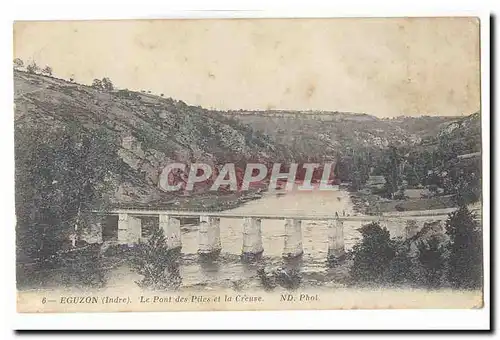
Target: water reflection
[(209, 267), (229, 267)]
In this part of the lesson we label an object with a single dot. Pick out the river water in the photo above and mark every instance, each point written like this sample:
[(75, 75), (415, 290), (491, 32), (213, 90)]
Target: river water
[(228, 269)]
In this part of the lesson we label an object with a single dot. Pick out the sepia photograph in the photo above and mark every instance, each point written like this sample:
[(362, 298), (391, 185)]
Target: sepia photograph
[(248, 164)]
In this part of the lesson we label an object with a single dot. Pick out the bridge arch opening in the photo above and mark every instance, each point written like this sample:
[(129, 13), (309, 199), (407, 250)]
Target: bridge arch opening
[(110, 228)]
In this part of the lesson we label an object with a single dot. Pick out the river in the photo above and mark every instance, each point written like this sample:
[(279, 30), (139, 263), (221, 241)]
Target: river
[(229, 269)]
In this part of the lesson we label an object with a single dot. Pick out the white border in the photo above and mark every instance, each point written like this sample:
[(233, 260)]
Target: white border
[(356, 319), (148, 9)]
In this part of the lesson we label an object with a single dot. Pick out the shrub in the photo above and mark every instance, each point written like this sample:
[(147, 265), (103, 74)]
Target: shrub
[(465, 250), (402, 269), (158, 264), (431, 258), (400, 195), (267, 280), (18, 63), (84, 267), (288, 278), (371, 257), (47, 70), (33, 68)]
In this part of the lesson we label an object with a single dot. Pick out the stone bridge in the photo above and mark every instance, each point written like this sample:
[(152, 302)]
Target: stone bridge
[(130, 224)]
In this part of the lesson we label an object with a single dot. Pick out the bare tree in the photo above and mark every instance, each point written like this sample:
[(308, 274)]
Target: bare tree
[(47, 70), (33, 68)]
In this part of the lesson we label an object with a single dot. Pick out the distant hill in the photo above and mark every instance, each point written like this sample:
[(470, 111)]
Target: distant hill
[(309, 132), (464, 133), (461, 136)]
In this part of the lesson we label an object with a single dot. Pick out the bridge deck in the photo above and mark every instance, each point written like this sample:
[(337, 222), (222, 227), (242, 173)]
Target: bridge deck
[(440, 214)]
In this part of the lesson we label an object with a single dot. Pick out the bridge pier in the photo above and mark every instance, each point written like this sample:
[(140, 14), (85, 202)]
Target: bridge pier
[(336, 250), (252, 239), (209, 236), (293, 238), (129, 229), (172, 230)]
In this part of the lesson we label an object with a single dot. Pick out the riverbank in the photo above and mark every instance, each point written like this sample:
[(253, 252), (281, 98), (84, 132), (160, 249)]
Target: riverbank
[(368, 203), (207, 201)]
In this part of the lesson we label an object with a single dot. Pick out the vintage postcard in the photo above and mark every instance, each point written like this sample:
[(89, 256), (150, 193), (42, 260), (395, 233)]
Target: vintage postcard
[(248, 164)]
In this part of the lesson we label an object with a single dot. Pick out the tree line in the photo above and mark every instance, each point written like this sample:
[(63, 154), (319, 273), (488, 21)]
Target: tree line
[(436, 167), (454, 262), (32, 67), (105, 84)]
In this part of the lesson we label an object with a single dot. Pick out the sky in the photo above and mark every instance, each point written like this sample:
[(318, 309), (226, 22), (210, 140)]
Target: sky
[(385, 67)]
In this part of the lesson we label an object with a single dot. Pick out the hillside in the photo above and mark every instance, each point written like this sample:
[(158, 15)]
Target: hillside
[(338, 132), (464, 134), (148, 131), (461, 136)]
